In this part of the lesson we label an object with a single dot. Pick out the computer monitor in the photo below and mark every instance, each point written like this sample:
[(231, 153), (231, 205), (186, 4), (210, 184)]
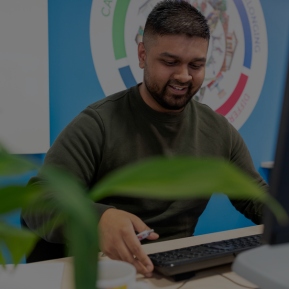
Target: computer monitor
[(279, 177)]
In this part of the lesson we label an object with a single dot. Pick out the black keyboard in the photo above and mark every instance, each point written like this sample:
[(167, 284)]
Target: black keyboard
[(193, 258)]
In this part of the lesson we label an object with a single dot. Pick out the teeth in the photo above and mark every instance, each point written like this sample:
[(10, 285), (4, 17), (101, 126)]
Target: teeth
[(178, 88)]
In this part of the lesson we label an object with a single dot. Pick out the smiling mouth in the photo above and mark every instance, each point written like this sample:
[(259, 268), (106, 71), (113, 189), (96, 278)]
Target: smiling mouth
[(179, 88)]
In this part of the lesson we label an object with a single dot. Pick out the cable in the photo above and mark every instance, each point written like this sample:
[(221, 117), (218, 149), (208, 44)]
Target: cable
[(183, 284), (239, 284)]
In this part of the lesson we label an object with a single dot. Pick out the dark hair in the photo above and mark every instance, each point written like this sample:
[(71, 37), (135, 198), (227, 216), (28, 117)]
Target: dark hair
[(176, 17)]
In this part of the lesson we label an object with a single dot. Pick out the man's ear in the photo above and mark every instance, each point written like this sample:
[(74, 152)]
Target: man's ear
[(141, 55)]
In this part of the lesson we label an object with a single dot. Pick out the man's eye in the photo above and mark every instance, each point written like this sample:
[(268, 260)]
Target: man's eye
[(196, 66), (169, 63)]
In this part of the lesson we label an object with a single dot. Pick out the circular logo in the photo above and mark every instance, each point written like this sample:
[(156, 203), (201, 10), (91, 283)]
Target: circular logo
[(236, 61)]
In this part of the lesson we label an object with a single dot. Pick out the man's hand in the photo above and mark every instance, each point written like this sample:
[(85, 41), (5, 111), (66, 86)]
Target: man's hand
[(118, 239)]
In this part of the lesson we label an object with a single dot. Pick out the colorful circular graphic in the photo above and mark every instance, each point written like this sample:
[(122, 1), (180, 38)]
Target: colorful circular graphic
[(236, 61)]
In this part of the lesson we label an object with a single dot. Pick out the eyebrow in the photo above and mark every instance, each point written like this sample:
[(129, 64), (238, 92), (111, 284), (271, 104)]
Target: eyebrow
[(167, 54)]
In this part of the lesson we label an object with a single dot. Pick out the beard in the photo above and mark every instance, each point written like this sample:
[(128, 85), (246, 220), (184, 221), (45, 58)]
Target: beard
[(169, 100)]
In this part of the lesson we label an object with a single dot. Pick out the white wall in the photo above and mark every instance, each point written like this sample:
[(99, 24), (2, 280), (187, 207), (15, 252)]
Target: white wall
[(24, 92)]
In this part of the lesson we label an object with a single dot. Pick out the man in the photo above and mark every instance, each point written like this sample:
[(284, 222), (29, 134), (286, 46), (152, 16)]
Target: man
[(156, 117)]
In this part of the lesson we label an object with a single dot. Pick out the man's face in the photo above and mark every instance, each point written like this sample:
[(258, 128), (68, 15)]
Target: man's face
[(174, 70)]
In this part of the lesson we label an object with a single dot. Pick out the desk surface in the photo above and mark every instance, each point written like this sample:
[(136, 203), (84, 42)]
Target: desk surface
[(217, 277)]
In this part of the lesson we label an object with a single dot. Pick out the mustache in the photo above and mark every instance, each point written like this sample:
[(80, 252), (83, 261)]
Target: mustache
[(177, 83)]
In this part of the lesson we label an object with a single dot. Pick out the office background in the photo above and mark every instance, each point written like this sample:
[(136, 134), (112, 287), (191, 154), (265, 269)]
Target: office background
[(74, 84)]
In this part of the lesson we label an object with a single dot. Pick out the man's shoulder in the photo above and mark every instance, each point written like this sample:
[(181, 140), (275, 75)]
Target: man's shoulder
[(213, 122), (203, 110), (111, 100), (115, 106)]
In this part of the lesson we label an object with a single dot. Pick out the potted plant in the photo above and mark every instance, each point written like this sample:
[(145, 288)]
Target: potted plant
[(166, 178)]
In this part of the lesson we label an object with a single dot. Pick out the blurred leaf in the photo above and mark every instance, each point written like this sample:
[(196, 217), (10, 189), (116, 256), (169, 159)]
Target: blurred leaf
[(11, 165), (2, 259), (184, 177), (18, 241), (81, 220), (85, 251), (15, 197)]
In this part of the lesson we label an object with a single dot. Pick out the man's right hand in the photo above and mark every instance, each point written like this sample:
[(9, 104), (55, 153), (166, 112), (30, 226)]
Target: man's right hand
[(118, 239)]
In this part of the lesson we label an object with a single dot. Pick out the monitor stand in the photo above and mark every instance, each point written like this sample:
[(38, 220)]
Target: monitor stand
[(266, 266)]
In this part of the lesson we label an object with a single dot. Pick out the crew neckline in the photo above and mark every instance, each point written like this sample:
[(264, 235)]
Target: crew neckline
[(153, 114)]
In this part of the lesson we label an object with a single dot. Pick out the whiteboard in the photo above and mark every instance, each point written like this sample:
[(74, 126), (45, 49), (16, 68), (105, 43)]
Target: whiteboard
[(24, 91)]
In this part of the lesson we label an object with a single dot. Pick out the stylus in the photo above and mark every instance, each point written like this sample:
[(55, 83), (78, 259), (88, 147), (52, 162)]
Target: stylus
[(144, 234)]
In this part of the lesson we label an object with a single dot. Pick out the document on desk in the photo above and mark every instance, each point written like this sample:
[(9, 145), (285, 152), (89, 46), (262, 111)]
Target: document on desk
[(32, 276)]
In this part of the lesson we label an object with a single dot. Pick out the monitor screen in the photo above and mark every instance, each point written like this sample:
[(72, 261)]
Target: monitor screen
[(279, 177)]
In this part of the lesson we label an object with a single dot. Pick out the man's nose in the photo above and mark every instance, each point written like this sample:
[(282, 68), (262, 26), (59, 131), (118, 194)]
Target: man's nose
[(182, 74)]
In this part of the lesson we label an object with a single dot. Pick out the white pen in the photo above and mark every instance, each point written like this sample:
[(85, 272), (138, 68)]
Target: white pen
[(144, 234)]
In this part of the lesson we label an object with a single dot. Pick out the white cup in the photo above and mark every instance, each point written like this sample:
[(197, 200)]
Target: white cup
[(114, 274)]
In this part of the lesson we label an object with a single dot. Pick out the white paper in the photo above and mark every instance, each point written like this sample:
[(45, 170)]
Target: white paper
[(32, 276)]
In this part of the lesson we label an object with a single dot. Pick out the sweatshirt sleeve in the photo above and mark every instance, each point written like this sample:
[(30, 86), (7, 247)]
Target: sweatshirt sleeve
[(78, 150), (240, 156)]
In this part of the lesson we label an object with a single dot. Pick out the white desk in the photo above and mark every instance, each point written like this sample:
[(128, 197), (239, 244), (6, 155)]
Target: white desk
[(215, 278)]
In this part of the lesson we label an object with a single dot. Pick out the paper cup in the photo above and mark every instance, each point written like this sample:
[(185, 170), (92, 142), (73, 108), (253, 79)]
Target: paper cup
[(114, 274)]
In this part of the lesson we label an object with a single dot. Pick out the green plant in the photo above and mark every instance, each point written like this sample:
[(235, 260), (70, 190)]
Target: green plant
[(166, 178)]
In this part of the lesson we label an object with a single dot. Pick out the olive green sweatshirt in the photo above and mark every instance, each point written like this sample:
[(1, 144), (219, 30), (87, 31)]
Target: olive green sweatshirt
[(122, 129)]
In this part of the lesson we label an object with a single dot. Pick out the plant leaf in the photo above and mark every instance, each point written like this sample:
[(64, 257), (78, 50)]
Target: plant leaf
[(19, 242), (184, 177), (2, 259), (81, 224), (15, 197), (11, 165)]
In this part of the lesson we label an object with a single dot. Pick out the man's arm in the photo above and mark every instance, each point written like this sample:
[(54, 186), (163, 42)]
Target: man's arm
[(78, 149), (241, 157)]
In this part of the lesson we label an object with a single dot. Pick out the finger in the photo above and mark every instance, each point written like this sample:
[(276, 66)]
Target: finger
[(136, 250), (127, 256), (153, 236), (112, 253), (122, 253), (138, 224)]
